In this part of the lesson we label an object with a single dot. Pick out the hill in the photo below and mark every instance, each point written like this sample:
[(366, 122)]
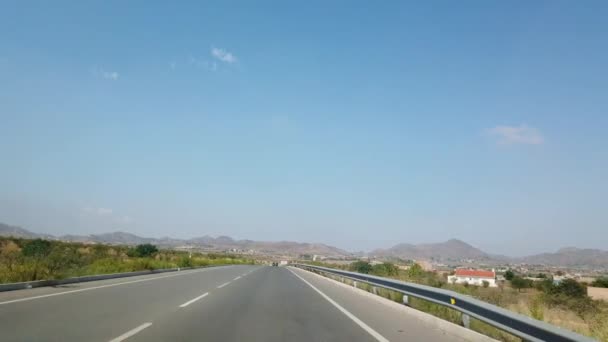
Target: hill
[(570, 257), (450, 250)]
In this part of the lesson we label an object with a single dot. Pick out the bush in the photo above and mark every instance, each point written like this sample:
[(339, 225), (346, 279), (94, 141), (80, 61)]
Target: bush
[(485, 283), (509, 275), (142, 251), (385, 269), (569, 288), (600, 282), (361, 267), (185, 262), (37, 248), (415, 271)]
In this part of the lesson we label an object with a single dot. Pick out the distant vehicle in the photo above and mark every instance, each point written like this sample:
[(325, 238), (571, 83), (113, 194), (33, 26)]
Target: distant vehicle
[(275, 264)]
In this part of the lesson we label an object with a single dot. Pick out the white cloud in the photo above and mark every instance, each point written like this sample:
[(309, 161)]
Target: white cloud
[(223, 55), (97, 211), (522, 134), (110, 75)]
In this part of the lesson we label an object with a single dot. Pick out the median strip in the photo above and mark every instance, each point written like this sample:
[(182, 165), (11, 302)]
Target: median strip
[(194, 300), (131, 332)]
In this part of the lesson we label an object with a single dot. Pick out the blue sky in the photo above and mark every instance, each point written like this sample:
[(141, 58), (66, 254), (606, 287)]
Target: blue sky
[(356, 124)]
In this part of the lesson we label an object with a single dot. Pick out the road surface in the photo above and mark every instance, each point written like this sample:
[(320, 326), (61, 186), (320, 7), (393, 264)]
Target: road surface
[(233, 303)]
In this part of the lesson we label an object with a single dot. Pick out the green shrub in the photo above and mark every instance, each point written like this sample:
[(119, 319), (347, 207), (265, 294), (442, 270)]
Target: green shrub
[(185, 262), (569, 288), (145, 250), (361, 267), (600, 282), (37, 248)]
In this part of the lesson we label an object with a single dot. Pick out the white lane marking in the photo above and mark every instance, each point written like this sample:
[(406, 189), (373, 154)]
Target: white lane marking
[(98, 287), (194, 300), (365, 327), (224, 284), (131, 332), (237, 278)]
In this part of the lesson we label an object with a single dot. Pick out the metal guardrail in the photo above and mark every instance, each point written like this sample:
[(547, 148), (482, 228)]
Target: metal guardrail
[(526, 328), (74, 280)]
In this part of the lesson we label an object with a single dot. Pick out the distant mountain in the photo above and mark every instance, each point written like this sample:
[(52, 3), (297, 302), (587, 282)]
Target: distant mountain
[(451, 250), (6, 230), (571, 257), (445, 251), (121, 238), (18, 232), (220, 243)]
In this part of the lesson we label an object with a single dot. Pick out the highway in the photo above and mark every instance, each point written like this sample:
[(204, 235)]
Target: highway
[(231, 303)]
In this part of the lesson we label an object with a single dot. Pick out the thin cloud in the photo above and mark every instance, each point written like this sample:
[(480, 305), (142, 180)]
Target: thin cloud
[(202, 63), (111, 75), (105, 74), (98, 211), (511, 135), (223, 55)]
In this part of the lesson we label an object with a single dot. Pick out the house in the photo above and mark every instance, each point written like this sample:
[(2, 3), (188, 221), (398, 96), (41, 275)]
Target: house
[(473, 277)]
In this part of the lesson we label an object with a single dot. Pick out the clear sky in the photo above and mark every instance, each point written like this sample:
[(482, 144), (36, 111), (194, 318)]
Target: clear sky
[(359, 124)]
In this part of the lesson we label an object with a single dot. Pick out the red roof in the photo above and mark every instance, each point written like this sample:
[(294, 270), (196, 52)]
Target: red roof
[(475, 273)]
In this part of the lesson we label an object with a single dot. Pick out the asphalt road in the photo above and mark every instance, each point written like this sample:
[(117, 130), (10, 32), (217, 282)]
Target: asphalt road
[(234, 303)]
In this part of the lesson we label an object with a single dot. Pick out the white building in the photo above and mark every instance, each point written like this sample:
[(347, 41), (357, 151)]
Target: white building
[(473, 277)]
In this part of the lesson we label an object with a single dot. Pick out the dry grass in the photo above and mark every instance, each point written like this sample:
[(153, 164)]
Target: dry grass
[(529, 302)]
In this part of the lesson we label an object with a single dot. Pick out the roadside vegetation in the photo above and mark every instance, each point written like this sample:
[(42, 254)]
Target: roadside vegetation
[(565, 304), (38, 259)]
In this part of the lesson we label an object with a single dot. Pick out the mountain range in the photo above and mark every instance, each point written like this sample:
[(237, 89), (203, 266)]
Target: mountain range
[(220, 243), (452, 250)]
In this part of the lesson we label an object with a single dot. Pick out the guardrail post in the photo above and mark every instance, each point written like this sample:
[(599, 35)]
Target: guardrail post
[(466, 320), (406, 300), (374, 290), (355, 284)]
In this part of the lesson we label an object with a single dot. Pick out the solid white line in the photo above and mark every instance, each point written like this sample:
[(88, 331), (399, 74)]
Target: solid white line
[(99, 287), (237, 278), (131, 332), (365, 327), (224, 284), (194, 300)]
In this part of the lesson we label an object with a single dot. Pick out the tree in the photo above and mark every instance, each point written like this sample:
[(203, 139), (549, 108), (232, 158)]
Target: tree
[(600, 282), (509, 275), (485, 283), (415, 271), (145, 250), (361, 267), (519, 283)]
